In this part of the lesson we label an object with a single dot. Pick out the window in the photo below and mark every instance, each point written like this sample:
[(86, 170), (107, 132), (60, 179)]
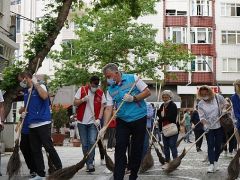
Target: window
[(201, 35), (230, 37), (202, 64), (230, 9), (173, 12), (231, 65), (201, 8), (177, 66), (176, 34), (18, 24), (13, 2)]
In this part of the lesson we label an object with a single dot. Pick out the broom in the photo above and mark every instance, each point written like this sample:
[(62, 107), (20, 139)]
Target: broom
[(229, 139), (69, 172), (172, 166), (147, 161), (14, 163), (233, 167), (160, 157), (185, 135)]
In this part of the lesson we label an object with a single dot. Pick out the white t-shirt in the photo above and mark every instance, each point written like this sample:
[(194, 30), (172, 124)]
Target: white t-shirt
[(88, 117), (34, 125), (1, 97), (141, 85)]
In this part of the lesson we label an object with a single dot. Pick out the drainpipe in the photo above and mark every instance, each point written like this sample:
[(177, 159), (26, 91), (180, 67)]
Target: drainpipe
[(189, 42)]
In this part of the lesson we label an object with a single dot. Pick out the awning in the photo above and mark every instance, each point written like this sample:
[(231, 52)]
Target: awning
[(194, 89)]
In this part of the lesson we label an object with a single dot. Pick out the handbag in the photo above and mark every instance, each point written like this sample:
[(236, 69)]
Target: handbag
[(170, 130)]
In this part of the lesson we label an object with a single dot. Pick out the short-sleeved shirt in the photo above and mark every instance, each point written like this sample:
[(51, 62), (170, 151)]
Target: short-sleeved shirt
[(88, 117)]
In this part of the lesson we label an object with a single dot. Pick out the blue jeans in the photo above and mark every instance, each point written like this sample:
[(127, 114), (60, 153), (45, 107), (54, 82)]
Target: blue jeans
[(88, 135), (146, 143), (214, 140), (170, 144)]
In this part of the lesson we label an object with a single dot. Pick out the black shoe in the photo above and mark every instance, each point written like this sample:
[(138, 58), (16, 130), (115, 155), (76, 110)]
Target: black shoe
[(90, 170), (189, 142), (32, 174)]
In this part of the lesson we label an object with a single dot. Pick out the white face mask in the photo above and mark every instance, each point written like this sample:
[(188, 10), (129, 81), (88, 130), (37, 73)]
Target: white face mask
[(205, 98), (23, 84), (93, 89)]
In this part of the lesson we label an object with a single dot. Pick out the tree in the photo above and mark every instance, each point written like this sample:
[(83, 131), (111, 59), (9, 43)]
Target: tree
[(111, 35), (40, 42)]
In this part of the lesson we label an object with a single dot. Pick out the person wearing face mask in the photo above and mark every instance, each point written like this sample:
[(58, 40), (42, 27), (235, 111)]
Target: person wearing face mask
[(90, 101), (38, 118), (167, 114), (131, 118), (235, 98), (210, 108)]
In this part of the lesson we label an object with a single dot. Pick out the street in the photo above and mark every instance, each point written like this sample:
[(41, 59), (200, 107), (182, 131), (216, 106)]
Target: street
[(191, 168)]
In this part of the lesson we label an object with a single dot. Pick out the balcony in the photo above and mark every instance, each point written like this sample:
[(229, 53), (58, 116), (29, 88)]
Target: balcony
[(180, 21), (204, 49), (201, 21)]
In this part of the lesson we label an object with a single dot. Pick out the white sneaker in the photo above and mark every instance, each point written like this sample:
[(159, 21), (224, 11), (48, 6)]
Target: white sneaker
[(103, 162), (210, 168), (109, 150), (216, 167), (37, 178), (106, 171)]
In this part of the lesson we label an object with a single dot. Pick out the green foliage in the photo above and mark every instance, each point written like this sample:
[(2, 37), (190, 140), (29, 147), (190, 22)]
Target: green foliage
[(110, 35), (59, 116), (10, 76)]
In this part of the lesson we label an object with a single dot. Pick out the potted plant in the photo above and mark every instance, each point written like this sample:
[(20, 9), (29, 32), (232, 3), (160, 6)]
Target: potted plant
[(60, 118)]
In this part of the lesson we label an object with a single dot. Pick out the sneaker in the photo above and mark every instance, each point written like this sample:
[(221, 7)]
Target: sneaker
[(106, 171), (210, 168), (216, 167), (37, 178), (102, 162), (165, 166), (109, 150), (32, 174), (90, 168), (199, 150)]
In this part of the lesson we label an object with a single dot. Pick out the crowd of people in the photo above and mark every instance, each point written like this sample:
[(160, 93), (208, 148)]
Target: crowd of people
[(120, 119)]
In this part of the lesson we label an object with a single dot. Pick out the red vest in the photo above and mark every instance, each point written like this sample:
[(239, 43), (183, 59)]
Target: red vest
[(97, 103)]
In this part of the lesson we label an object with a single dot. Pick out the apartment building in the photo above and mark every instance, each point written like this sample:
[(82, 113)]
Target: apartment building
[(7, 35)]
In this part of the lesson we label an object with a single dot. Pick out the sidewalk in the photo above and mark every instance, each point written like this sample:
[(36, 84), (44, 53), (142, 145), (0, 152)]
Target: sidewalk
[(191, 168)]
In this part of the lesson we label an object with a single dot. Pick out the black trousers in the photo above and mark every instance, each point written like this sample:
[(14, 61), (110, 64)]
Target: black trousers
[(124, 130), (41, 136), (27, 153), (101, 150), (111, 137), (197, 134)]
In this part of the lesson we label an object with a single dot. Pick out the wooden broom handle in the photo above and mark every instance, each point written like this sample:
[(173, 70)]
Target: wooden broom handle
[(28, 100), (205, 131), (113, 116)]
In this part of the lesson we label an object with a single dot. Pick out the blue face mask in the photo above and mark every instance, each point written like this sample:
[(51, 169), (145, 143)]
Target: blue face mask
[(111, 81)]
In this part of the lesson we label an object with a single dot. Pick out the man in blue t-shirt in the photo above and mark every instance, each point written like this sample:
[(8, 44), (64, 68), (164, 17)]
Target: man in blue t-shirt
[(131, 117), (38, 118)]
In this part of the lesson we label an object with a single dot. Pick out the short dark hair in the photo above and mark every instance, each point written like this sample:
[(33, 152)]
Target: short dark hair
[(25, 74), (94, 80)]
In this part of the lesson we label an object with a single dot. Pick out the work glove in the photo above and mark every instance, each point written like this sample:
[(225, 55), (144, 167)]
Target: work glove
[(128, 98), (1, 126), (23, 115), (206, 128), (34, 80), (97, 123), (85, 98), (155, 123)]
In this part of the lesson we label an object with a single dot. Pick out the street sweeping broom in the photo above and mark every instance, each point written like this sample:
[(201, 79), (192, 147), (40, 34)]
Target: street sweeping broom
[(234, 167)]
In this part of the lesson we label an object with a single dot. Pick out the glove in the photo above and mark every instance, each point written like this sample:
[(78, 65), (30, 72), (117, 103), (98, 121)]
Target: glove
[(34, 80), (155, 123), (97, 123), (86, 98), (23, 115), (128, 98), (101, 133), (205, 128)]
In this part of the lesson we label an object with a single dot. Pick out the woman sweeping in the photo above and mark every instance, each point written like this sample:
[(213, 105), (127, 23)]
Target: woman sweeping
[(167, 117), (210, 109)]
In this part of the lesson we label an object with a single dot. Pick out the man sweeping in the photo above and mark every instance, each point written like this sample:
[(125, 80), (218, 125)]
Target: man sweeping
[(131, 117), (90, 101), (38, 118)]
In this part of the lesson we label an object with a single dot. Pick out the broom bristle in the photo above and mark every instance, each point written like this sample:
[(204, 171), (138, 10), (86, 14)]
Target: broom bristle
[(147, 161), (173, 165), (14, 163), (51, 167), (234, 167), (160, 157), (68, 172), (109, 163)]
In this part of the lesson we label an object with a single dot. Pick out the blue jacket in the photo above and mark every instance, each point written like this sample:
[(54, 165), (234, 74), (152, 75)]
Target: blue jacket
[(38, 109), (130, 111), (236, 108)]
